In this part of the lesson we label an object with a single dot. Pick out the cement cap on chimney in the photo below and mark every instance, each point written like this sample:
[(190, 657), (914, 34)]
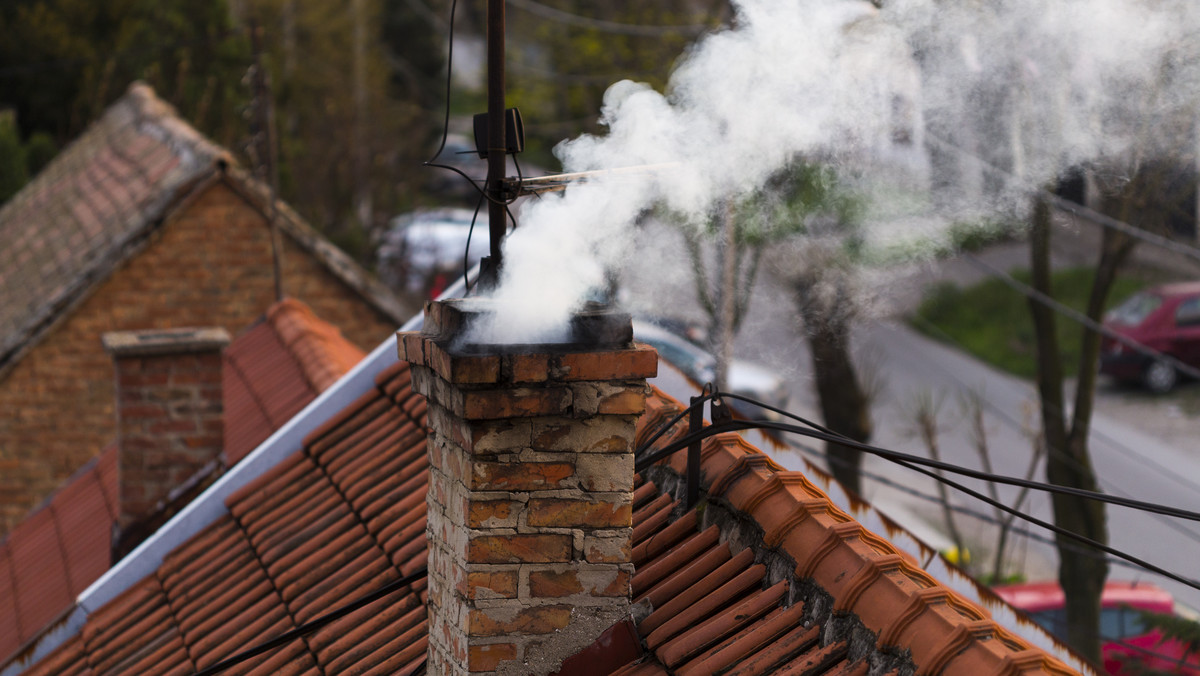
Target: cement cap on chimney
[(164, 341)]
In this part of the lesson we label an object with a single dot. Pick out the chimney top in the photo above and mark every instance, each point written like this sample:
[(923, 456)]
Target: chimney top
[(170, 419), (596, 326), (164, 342)]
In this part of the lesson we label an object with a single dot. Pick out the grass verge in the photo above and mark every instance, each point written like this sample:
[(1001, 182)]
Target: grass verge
[(991, 321)]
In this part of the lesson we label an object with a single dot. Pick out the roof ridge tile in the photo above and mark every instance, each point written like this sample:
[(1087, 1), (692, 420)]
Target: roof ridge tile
[(323, 353)]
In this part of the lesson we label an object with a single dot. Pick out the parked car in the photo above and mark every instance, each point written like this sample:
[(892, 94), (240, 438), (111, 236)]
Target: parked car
[(1129, 646), (423, 251), (1165, 319), (745, 378)]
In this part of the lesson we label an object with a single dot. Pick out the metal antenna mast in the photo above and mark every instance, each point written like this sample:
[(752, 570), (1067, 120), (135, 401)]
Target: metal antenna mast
[(496, 139)]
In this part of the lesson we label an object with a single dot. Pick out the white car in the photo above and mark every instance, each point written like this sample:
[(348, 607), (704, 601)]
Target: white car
[(745, 378), (421, 245)]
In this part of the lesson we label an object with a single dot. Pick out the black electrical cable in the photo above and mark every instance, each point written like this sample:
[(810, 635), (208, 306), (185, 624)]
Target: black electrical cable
[(1117, 445), (965, 511), (1079, 317), (309, 627), (911, 463), (824, 434), (467, 250), (744, 425), (432, 162)]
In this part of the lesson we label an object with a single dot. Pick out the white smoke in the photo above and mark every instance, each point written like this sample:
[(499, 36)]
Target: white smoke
[(1052, 83)]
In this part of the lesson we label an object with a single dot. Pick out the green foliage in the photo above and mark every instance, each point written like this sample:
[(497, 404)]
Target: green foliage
[(990, 580), (39, 150), (13, 174), (991, 321), (974, 236), (66, 60), (558, 71)]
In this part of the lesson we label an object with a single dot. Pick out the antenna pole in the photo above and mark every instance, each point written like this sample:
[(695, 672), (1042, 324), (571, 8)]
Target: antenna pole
[(497, 136), (264, 150)]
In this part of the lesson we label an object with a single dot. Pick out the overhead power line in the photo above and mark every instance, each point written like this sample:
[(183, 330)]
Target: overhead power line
[(570, 19), (1076, 209), (1112, 442), (916, 464)]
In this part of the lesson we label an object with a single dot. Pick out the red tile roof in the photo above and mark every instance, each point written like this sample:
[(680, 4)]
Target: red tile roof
[(271, 372), (82, 211), (98, 200), (769, 577)]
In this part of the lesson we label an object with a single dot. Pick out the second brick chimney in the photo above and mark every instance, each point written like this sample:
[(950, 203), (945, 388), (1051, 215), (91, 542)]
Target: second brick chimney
[(530, 489), (170, 413)]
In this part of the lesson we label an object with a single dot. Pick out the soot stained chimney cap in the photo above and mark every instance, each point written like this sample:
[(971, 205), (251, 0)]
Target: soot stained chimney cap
[(595, 326), (164, 341)]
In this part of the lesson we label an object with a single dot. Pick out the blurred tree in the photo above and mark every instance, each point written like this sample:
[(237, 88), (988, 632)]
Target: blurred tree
[(564, 54), (63, 61), (357, 110), (13, 173), (821, 266)]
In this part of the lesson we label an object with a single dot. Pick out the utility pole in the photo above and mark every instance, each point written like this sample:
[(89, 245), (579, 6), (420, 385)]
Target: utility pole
[(496, 139)]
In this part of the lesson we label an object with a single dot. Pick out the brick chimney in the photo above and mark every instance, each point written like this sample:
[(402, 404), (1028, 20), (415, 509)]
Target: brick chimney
[(530, 488), (170, 417)]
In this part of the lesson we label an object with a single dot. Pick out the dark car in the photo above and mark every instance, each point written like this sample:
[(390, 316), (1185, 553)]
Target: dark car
[(1165, 319)]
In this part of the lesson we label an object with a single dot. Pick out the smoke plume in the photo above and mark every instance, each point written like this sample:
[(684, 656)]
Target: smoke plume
[(1030, 86)]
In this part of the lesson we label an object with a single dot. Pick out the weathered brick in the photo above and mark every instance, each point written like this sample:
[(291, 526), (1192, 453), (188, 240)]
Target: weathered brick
[(602, 434), (607, 549), (605, 581), (519, 548), (526, 620), (488, 657), (605, 471), (640, 361), (524, 476), (529, 368), (489, 585), (492, 513), (460, 369), (522, 402), (566, 513)]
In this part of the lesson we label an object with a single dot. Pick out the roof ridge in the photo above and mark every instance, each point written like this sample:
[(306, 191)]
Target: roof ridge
[(147, 106), (854, 565), (323, 353)]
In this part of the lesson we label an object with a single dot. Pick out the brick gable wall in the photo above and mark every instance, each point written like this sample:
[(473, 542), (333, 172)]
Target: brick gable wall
[(209, 265)]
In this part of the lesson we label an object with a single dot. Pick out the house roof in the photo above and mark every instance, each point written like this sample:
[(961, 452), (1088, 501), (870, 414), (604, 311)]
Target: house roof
[(97, 202), (271, 372), (771, 576)]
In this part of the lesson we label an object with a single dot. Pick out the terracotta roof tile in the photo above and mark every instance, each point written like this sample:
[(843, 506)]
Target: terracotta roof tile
[(11, 632), (700, 608), (323, 353), (37, 560), (746, 585), (66, 545), (69, 659), (98, 194)]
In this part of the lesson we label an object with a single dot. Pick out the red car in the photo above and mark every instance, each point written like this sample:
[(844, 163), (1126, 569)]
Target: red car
[(1165, 319), (1129, 646)]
